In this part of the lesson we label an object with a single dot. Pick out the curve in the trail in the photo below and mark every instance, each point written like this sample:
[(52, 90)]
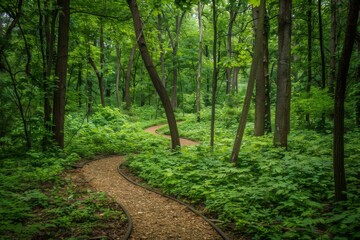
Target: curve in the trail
[(183, 141), (153, 216)]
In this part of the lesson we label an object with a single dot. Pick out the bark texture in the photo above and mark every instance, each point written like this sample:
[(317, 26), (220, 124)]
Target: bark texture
[(338, 154), (282, 113), (175, 141), (61, 70)]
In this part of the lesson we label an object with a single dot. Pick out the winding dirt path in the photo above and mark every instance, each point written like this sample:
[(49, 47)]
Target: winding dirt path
[(154, 217)]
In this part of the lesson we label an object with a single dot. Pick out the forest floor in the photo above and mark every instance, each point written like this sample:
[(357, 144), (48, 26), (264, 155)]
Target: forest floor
[(154, 216)]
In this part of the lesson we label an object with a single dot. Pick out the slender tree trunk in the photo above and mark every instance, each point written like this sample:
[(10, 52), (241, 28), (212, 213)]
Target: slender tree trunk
[(282, 114), (259, 126), (162, 52), (175, 45), (175, 141), (215, 75), (198, 85), (258, 53), (128, 78), (118, 69), (357, 110), (88, 93), (229, 70), (333, 46), (309, 55), (321, 42), (266, 75), (350, 33), (322, 55), (102, 63), (78, 85), (61, 70)]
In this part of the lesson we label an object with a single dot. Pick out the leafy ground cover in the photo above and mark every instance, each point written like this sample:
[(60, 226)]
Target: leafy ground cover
[(272, 193), (39, 201)]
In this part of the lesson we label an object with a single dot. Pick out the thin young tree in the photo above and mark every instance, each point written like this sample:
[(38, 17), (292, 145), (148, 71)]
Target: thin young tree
[(198, 80), (215, 74), (258, 53), (154, 76), (340, 89), (283, 96), (128, 78)]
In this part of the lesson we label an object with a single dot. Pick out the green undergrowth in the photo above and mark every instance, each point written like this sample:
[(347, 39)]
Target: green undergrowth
[(272, 193), (109, 131), (37, 202)]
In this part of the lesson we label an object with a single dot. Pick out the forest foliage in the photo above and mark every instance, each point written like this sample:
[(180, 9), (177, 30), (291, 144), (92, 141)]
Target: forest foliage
[(270, 193)]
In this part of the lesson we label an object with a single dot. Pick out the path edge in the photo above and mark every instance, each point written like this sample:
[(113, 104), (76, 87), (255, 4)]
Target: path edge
[(128, 216), (213, 225)]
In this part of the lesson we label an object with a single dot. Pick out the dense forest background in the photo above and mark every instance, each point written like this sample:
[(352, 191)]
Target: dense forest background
[(270, 88)]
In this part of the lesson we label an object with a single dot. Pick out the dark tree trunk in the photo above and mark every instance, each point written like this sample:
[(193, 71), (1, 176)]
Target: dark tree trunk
[(198, 80), (118, 69), (128, 78), (61, 70), (259, 126), (322, 55), (258, 53), (309, 55), (229, 70), (175, 45), (78, 85), (282, 114), (102, 63), (266, 75), (215, 75), (333, 46), (350, 33), (175, 141)]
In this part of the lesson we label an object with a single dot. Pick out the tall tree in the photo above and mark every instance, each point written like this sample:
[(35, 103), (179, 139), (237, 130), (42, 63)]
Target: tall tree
[(257, 58), (198, 80), (175, 141), (61, 71), (215, 74), (128, 78), (333, 46), (340, 89), (232, 14), (259, 126), (282, 112), (309, 53), (174, 41), (118, 70)]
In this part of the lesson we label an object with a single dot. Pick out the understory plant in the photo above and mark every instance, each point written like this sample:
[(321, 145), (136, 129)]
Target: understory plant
[(272, 193)]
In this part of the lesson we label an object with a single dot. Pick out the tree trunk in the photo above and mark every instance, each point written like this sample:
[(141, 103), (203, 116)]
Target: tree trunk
[(128, 78), (229, 69), (259, 126), (322, 55), (258, 53), (215, 75), (266, 74), (61, 70), (333, 46), (118, 66), (282, 114), (102, 63), (78, 85), (350, 33), (198, 85), (162, 52), (175, 45), (175, 141), (309, 55)]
